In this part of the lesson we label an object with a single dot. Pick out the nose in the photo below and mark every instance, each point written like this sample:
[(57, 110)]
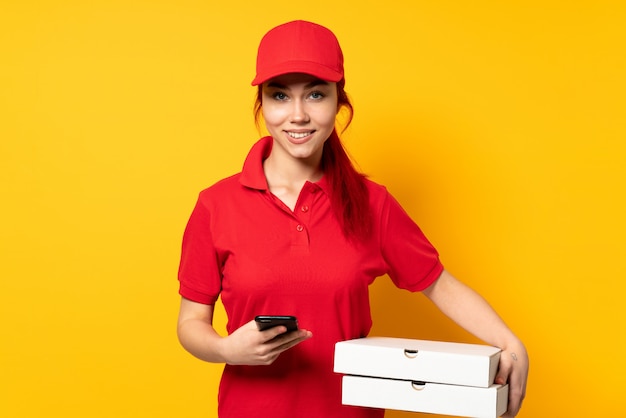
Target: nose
[(299, 112)]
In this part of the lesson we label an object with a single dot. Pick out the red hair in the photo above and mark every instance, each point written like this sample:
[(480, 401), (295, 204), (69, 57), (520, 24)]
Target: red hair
[(349, 194)]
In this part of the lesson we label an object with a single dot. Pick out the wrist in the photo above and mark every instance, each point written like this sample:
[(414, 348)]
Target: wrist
[(515, 348), (221, 349)]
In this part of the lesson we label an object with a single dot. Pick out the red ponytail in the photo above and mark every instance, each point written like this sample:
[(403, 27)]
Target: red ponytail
[(349, 197)]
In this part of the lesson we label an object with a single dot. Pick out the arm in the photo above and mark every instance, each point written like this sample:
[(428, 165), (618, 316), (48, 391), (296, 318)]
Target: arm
[(472, 312), (247, 345)]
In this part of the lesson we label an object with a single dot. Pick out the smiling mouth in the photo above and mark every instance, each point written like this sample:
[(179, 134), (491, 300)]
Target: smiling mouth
[(299, 135)]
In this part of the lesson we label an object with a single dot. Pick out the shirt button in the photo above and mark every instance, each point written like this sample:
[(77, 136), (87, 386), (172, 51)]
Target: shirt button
[(299, 228), (304, 208)]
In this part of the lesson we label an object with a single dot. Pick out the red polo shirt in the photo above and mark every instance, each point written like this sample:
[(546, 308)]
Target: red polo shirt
[(245, 245)]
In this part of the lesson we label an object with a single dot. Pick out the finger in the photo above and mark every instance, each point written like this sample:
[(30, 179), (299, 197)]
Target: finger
[(265, 358), (270, 350), (512, 409), (290, 339), (504, 371), (272, 333), (288, 345), (516, 394)]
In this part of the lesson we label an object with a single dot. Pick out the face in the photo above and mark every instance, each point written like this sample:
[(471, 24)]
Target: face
[(299, 112)]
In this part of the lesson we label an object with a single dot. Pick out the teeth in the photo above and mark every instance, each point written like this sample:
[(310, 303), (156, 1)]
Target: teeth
[(297, 135)]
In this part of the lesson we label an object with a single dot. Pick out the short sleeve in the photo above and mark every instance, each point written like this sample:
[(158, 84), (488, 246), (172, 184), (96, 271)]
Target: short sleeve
[(413, 262), (199, 272)]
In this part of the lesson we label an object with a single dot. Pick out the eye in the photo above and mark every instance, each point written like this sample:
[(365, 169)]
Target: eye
[(279, 95), (316, 95)]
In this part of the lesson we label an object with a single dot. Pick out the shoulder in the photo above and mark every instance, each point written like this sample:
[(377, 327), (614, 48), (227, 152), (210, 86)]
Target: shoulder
[(374, 188), (378, 193), (379, 198), (221, 190), (226, 184), (383, 202)]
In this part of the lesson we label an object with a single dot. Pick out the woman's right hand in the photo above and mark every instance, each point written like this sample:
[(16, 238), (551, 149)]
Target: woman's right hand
[(246, 346), (249, 346)]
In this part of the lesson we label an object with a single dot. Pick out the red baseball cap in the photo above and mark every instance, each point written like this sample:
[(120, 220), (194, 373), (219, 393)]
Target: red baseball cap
[(299, 47)]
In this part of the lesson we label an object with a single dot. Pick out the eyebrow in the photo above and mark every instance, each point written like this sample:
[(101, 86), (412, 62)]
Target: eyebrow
[(314, 83)]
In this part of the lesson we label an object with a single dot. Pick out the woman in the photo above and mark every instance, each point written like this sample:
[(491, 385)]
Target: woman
[(300, 232)]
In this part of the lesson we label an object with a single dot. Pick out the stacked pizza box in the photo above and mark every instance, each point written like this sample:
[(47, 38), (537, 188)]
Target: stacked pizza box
[(421, 376)]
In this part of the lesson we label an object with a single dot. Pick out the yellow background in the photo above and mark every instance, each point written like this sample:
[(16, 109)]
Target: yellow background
[(500, 126)]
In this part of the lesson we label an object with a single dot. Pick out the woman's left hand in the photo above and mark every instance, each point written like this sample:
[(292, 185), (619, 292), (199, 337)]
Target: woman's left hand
[(513, 369)]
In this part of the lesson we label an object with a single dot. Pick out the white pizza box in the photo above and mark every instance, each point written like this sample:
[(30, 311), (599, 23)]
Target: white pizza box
[(433, 398), (420, 360)]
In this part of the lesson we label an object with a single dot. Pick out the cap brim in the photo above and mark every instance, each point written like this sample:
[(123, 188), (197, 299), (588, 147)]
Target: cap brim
[(303, 67)]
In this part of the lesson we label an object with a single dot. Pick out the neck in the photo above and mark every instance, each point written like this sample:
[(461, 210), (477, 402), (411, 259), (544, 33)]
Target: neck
[(289, 173), (283, 169)]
